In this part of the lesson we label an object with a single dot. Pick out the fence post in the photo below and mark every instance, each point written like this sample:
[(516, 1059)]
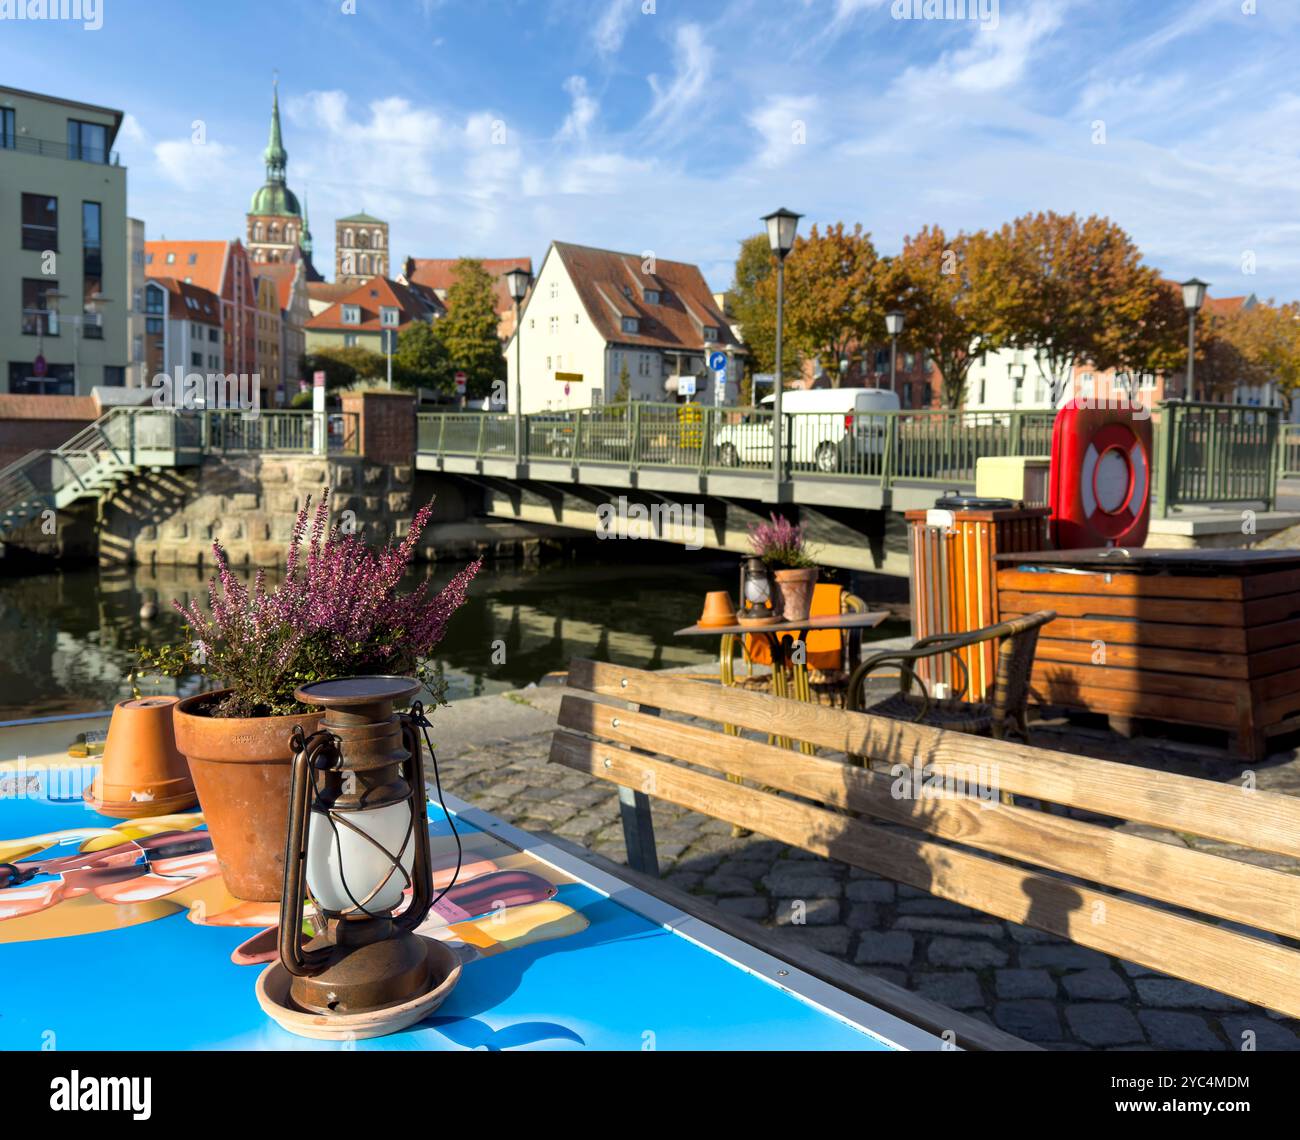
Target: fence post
[(1017, 433), (887, 455), (634, 452), (1164, 458), (478, 450), (1274, 458)]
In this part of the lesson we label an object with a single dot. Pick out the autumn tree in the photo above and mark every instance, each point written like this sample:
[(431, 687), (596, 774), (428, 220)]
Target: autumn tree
[(1250, 345), (1074, 289), (753, 302), (945, 288), (469, 330)]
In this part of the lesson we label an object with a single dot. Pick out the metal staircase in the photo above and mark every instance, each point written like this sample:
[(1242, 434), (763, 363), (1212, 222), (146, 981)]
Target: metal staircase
[(90, 465)]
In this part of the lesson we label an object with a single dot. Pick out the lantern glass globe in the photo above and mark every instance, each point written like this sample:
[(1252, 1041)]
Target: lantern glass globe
[(344, 868)]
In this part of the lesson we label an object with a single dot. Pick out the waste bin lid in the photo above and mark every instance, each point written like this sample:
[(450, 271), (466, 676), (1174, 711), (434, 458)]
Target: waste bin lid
[(962, 501)]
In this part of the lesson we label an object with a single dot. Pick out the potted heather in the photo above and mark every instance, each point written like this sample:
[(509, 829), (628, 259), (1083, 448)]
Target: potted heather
[(781, 546), (337, 612)]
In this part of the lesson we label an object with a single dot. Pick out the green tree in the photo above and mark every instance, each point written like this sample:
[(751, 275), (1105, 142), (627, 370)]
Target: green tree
[(469, 330), (365, 365), (422, 359), (753, 301), (623, 393), (338, 373)]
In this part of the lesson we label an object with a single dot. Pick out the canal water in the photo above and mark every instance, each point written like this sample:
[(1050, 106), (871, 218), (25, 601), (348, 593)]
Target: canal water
[(68, 639)]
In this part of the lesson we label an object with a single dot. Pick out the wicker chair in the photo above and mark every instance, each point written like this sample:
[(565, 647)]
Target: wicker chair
[(1002, 715)]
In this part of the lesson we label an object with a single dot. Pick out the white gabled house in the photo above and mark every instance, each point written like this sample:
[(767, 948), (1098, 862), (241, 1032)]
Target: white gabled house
[(591, 312)]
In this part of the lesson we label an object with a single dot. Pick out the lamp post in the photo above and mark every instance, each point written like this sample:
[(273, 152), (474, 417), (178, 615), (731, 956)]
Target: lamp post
[(1193, 299), (78, 324), (893, 326), (518, 280), (781, 227)]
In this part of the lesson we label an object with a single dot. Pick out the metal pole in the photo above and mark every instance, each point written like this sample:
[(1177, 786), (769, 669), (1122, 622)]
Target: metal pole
[(389, 345), (519, 399), (893, 363), (1191, 354), (776, 378)]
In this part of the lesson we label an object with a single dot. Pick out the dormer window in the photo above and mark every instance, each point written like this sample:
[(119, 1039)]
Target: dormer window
[(627, 292), (351, 314), (388, 316), (631, 325), (652, 296), (710, 332)]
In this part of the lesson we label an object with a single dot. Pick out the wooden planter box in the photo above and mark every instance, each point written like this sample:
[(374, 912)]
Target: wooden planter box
[(1200, 637)]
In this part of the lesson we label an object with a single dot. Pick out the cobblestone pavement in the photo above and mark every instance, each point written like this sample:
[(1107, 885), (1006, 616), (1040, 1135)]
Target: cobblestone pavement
[(1034, 985)]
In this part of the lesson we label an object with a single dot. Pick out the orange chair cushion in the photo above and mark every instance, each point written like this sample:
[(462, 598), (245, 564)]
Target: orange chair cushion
[(825, 646)]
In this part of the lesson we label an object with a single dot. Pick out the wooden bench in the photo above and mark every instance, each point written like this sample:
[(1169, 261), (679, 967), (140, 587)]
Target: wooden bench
[(1212, 919)]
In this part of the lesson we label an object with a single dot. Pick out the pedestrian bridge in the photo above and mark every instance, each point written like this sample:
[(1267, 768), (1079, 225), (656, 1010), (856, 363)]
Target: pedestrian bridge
[(882, 461)]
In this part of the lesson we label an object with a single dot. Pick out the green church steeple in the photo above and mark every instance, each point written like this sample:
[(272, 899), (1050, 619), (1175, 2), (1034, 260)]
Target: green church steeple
[(275, 199)]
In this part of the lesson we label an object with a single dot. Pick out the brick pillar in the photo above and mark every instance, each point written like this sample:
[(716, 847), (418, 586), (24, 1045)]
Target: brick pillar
[(386, 424)]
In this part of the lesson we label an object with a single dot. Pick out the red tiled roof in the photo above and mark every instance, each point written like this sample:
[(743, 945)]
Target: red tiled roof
[(369, 296), (205, 270), (604, 278), (329, 290), (440, 273), (191, 302), (283, 274)]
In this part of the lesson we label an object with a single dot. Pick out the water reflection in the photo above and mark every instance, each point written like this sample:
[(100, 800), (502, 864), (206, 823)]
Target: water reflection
[(67, 639)]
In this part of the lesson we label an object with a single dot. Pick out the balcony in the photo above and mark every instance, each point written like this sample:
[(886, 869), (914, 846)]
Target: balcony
[(73, 152)]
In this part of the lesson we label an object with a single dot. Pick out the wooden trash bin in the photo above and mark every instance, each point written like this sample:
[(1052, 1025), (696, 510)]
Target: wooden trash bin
[(1209, 638), (951, 550)]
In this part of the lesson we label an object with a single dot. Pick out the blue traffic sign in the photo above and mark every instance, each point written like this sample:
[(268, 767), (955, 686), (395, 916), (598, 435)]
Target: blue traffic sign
[(718, 361)]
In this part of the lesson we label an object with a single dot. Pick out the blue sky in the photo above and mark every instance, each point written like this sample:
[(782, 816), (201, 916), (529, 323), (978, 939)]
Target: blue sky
[(490, 127)]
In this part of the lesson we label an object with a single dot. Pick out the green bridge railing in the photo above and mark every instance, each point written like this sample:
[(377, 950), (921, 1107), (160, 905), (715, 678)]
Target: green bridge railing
[(1204, 453)]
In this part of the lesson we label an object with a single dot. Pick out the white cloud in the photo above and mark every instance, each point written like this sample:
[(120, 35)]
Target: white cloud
[(675, 100), (782, 121), (612, 26), (582, 111), (193, 166)]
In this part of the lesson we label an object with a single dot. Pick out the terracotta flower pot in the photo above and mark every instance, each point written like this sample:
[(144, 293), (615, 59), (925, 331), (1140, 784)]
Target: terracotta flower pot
[(794, 591), (718, 609), (143, 772), (241, 770)]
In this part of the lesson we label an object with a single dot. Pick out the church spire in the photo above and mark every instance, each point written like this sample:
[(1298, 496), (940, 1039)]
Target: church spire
[(277, 157), (304, 239)]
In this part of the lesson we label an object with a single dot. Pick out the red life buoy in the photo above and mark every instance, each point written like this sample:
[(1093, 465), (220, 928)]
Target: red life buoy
[(1101, 477)]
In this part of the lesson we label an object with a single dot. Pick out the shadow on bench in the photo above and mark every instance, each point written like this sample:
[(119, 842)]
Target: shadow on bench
[(936, 821)]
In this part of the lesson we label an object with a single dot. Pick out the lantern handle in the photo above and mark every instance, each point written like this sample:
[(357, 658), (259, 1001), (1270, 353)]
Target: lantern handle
[(422, 873), (308, 752)]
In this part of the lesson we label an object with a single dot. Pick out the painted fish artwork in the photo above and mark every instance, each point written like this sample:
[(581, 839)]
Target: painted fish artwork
[(120, 924)]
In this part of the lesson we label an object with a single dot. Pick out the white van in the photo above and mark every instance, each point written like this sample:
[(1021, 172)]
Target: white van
[(826, 429)]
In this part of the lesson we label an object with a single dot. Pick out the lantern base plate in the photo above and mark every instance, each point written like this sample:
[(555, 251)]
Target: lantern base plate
[(758, 622), (277, 1003)]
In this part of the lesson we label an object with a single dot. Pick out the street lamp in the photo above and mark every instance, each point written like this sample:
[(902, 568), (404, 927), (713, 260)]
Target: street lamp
[(781, 227), (1193, 299), (893, 326), (517, 281), (78, 324)]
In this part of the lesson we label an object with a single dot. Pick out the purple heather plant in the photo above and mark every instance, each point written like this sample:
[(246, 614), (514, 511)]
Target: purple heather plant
[(780, 544), (337, 612)]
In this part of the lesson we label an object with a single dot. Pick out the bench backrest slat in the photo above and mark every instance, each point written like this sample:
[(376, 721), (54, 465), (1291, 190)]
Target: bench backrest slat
[(1253, 819), (1245, 967), (1195, 880)]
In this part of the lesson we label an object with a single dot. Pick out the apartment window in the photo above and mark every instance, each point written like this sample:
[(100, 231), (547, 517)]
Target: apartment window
[(555, 290), (710, 332), (171, 260), (137, 351), (576, 319), (555, 324), (58, 381), (631, 325), (92, 251), (652, 296), (389, 317), (137, 301), (212, 336), (351, 314), (349, 340), (548, 364), (153, 326), (196, 359), (87, 141), (532, 324), (40, 222), (8, 140), (39, 319)]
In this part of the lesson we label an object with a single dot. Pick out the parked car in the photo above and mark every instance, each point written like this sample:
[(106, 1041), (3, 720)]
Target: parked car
[(828, 429)]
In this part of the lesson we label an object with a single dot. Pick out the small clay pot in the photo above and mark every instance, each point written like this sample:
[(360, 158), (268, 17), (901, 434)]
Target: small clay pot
[(718, 610), (241, 768), (794, 591), (143, 772)]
